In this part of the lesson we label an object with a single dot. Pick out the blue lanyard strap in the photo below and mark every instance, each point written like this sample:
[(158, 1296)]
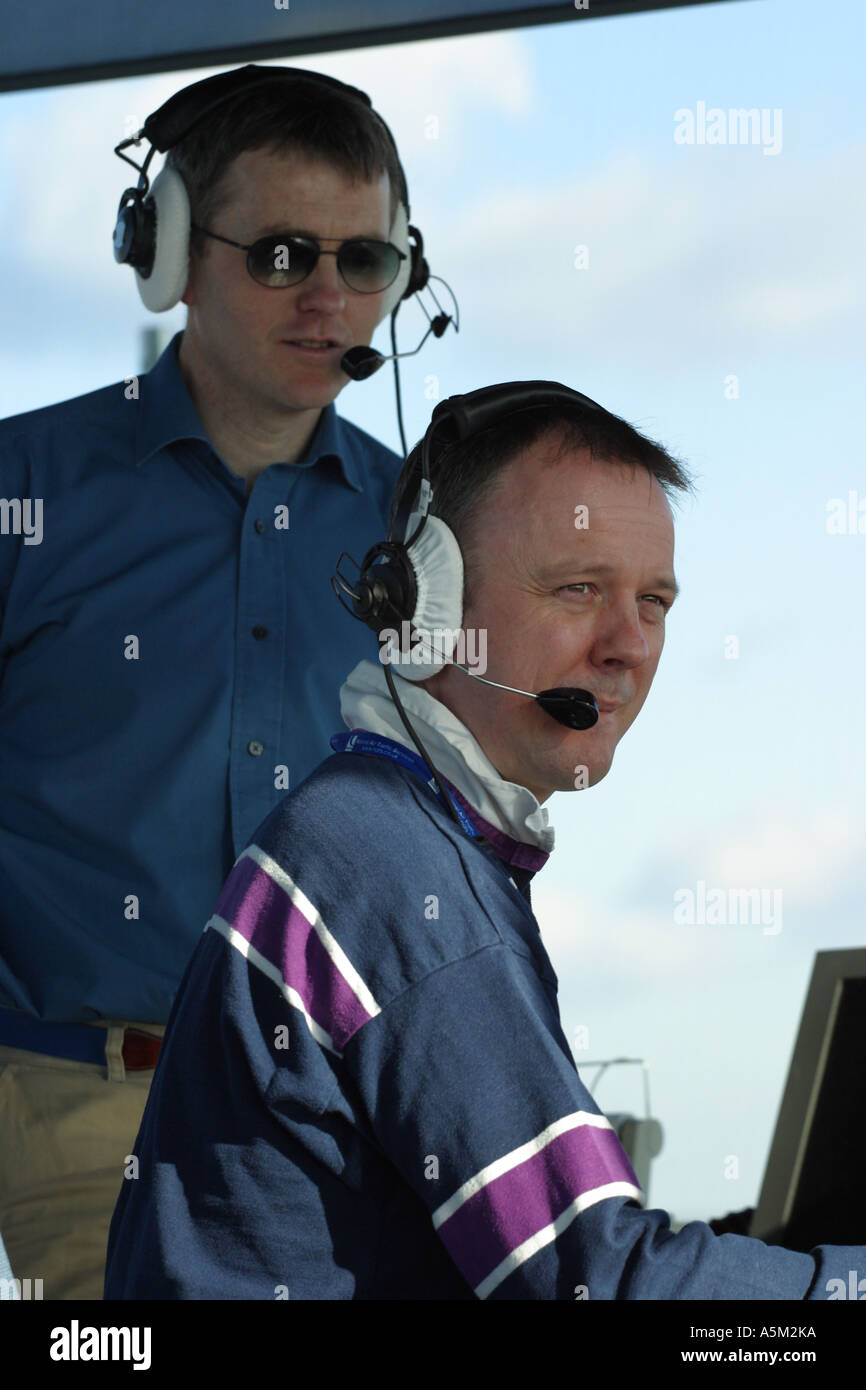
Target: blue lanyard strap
[(377, 746)]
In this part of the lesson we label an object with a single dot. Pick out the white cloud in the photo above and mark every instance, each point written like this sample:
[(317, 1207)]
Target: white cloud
[(595, 936), (684, 256), (811, 857), (64, 180), (788, 306), (614, 953), (449, 78)]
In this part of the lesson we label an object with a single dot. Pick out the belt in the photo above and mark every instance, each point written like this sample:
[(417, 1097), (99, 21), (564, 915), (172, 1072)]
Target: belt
[(77, 1042)]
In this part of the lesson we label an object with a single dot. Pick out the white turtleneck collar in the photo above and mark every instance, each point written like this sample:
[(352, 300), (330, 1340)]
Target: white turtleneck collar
[(365, 703)]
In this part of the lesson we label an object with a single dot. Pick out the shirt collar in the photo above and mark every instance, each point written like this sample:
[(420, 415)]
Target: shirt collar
[(167, 413), (365, 703), (517, 854)]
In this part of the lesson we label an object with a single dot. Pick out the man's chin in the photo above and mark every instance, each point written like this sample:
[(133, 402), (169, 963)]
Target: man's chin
[(309, 395), (585, 775)]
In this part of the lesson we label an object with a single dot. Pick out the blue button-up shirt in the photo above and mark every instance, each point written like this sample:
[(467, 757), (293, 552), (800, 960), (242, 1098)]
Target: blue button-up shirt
[(171, 654)]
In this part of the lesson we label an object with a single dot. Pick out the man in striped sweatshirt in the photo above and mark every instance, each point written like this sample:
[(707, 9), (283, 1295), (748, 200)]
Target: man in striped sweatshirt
[(364, 1089)]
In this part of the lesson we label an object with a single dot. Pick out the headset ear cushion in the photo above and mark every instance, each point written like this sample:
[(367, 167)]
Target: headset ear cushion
[(437, 563), (165, 284), (399, 235)]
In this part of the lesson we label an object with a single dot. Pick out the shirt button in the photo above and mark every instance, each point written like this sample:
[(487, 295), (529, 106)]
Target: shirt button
[(255, 748), (260, 527), (260, 633)]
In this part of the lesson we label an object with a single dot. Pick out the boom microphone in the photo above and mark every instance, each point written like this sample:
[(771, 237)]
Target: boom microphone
[(567, 704), (360, 362)]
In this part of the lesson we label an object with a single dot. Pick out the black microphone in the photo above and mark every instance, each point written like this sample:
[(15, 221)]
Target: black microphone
[(360, 362), (567, 704)]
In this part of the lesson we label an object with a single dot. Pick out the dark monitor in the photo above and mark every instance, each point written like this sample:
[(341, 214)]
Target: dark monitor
[(812, 1192)]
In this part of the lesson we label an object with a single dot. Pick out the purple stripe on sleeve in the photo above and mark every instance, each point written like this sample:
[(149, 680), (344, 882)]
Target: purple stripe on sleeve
[(263, 913), (507, 1211)]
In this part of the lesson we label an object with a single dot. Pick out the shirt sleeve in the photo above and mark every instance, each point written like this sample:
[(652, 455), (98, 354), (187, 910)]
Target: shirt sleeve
[(473, 1095)]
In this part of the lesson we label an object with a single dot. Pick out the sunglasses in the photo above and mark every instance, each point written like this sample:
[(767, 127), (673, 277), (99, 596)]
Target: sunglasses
[(279, 261)]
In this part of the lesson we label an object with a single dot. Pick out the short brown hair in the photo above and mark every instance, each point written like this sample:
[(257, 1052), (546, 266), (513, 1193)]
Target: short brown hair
[(293, 118), (463, 473)]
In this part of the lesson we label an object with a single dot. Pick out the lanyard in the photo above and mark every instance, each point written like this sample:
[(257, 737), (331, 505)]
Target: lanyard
[(377, 746)]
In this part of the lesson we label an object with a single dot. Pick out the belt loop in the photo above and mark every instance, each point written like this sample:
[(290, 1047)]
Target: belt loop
[(114, 1052)]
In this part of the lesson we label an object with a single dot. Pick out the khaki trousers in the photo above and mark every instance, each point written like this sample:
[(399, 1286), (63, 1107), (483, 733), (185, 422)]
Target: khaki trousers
[(65, 1131)]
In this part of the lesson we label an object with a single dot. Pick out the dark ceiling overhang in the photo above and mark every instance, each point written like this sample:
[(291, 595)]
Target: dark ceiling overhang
[(52, 42)]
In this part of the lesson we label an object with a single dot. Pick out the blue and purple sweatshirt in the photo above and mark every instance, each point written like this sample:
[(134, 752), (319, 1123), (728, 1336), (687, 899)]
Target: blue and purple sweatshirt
[(365, 1092)]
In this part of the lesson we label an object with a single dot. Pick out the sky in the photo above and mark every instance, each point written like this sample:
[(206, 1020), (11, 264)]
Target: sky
[(717, 304)]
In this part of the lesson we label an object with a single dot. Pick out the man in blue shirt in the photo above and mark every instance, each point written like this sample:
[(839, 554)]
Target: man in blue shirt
[(365, 1090), (170, 657)]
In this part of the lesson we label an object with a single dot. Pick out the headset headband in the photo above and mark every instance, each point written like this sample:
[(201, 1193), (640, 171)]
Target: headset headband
[(176, 117), (458, 417)]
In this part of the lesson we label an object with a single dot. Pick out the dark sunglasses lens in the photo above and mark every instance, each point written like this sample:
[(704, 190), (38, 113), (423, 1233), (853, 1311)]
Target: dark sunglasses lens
[(278, 261), (368, 266)]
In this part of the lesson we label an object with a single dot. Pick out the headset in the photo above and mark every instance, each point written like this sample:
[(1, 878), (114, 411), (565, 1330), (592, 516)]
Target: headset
[(151, 232), (412, 582)]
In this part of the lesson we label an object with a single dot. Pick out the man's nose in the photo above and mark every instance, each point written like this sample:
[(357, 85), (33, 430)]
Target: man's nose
[(622, 635), (324, 288)]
